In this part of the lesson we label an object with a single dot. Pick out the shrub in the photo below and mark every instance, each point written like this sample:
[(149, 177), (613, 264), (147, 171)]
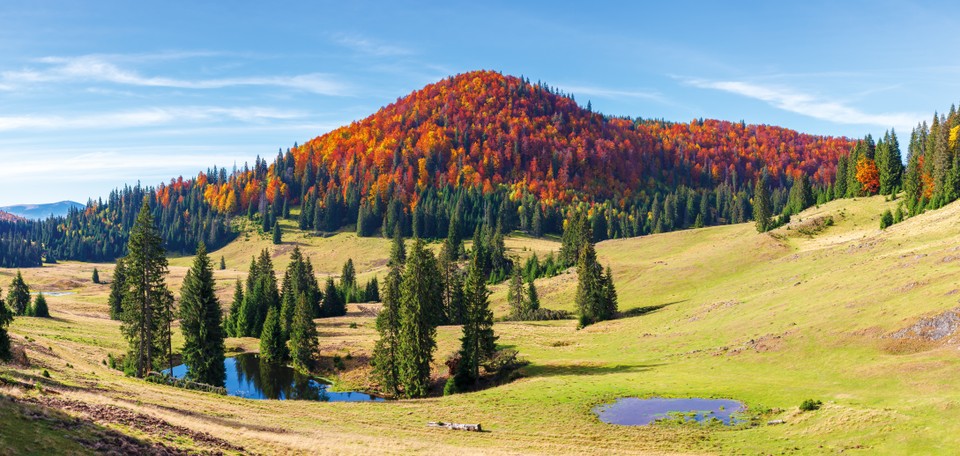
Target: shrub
[(810, 405), (886, 219), (450, 388)]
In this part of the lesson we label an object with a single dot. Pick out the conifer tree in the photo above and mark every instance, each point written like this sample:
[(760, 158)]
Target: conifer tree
[(515, 295), (39, 308), (589, 297), (19, 295), (533, 298), (348, 276), (273, 346), (201, 322), (371, 292), (761, 205), (478, 342), (333, 305), (223, 263), (96, 276), (118, 288), (609, 296), (840, 183), (420, 297), (385, 358), (277, 236), (303, 336), (6, 317), (147, 303), (230, 325)]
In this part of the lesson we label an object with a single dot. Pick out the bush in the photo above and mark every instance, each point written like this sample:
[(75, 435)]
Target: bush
[(450, 388), (886, 219), (46, 374), (810, 405)]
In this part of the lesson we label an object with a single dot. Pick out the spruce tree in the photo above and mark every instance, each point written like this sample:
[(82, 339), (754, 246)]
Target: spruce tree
[(420, 297), (39, 308), (230, 324), (118, 288), (348, 276), (609, 295), (761, 205), (201, 322), (333, 305), (223, 263), (371, 292), (96, 276), (589, 287), (303, 336), (19, 295), (277, 234), (147, 303), (385, 359), (273, 346), (533, 299), (478, 342), (515, 295), (6, 317)]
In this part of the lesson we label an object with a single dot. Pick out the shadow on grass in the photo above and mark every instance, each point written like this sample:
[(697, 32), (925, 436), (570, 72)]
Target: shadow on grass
[(636, 312), (553, 370)]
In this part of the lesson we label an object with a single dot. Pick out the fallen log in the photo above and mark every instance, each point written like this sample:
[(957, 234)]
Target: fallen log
[(456, 426)]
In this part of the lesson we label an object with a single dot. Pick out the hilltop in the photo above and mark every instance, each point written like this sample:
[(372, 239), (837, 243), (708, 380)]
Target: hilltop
[(42, 211)]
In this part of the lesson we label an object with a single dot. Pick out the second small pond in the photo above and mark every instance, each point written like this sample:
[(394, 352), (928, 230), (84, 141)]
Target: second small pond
[(632, 411)]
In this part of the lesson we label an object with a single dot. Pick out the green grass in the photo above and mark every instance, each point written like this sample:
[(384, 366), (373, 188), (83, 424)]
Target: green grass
[(769, 319)]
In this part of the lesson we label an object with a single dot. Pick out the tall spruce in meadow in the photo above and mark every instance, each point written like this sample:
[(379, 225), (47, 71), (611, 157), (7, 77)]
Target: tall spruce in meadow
[(223, 263), (385, 359), (348, 275), (273, 344), (515, 295), (840, 182), (478, 342), (298, 281), (533, 298), (303, 336), (452, 286), (40, 308), (801, 195), (371, 292), (236, 306), (19, 295), (201, 323), (260, 296), (277, 235), (95, 278), (6, 317), (761, 205), (117, 290), (589, 297), (609, 305), (147, 303), (420, 297), (333, 302)]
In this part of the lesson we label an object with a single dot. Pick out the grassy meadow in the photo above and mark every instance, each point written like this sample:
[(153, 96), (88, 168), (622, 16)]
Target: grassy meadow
[(805, 311)]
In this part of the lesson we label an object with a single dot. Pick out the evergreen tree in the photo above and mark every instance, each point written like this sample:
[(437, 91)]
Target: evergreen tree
[(19, 295), (273, 346), (118, 289), (201, 322), (478, 342), (761, 205), (589, 287), (515, 295), (801, 196), (333, 305), (420, 298), (385, 358), (223, 263), (609, 296), (260, 296), (372, 291), (230, 325), (840, 182), (6, 317), (96, 276), (303, 336), (533, 299), (277, 234), (348, 276), (147, 302), (40, 307)]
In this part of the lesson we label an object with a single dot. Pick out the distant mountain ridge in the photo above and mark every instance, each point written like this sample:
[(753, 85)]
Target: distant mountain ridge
[(42, 211), (8, 217)]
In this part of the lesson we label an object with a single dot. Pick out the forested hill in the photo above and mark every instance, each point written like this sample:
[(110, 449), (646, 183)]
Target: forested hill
[(482, 148)]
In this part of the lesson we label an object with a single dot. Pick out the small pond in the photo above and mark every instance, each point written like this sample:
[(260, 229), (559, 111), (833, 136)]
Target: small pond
[(248, 377), (632, 411)]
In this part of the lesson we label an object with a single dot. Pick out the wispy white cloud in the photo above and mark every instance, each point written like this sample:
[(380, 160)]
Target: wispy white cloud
[(809, 105), (370, 46), (100, 68), (605, 92), (143, 118)]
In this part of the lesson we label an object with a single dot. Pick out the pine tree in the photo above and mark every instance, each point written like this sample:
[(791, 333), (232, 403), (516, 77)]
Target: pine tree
[(385, 352), (478, 342), (230, 325), (118, 289), (19, 295), (147, 302), (277, 234), (39, 308), (273, 346), (371, 292), (201, 322), (589, 287), (609, 296), (96, 276), (840, 182), (223, 263), (761, 205), (333, 305), (515, 295), (348, 276), (533, 299), (420, 296), (6, 317), (303, 336)]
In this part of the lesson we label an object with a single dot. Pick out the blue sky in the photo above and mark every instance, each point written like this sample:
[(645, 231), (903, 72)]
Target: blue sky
[(95, 95)]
